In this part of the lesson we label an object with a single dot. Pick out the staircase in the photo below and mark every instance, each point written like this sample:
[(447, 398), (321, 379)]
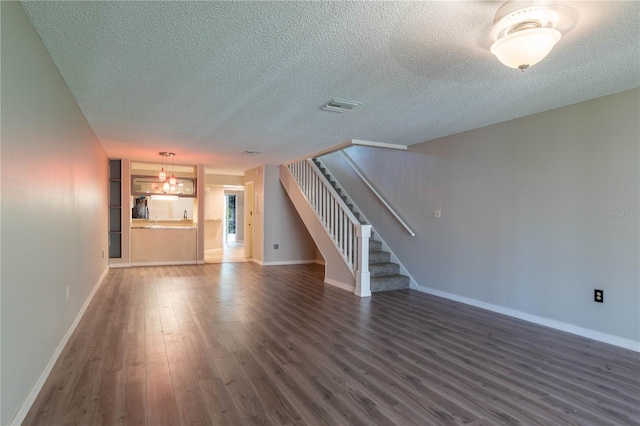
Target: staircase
[(385, 275)]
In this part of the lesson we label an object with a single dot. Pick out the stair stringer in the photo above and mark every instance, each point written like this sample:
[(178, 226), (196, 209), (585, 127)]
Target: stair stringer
[(337, 271), (374, 234)]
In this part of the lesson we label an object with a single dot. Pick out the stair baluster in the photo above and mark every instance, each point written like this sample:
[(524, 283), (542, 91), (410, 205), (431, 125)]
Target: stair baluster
[(348, 234)]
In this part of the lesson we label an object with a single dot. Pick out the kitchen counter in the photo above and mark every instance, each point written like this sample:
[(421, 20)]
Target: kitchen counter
[(163, 244), (165, 227), (162, 224)]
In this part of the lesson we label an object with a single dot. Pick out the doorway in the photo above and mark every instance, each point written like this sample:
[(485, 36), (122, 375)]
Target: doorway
[(224, 214), (230, 218)]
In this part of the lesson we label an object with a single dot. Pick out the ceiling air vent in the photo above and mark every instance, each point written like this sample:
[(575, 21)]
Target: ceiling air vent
[(252, 153), (340, 105)]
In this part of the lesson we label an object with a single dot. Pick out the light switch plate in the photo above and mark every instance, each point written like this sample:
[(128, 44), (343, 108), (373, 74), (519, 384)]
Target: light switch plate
[(437, 213)]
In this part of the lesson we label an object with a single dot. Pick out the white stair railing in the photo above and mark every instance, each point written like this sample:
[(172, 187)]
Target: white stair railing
[(350, 237)]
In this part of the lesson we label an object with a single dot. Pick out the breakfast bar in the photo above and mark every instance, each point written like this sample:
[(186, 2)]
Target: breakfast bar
[(165, 243)]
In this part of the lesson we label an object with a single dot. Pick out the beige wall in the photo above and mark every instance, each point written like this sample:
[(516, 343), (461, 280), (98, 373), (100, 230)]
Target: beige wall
[(54, 208), (211, 179)]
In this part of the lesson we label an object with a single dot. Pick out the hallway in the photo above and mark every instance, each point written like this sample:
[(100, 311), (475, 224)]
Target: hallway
[(230, 253)]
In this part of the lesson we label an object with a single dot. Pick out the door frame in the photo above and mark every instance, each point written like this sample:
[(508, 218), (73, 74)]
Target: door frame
[(249, 214)]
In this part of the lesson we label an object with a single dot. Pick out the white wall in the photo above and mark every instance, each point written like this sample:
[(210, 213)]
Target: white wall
[(54, 208), (527, 210)]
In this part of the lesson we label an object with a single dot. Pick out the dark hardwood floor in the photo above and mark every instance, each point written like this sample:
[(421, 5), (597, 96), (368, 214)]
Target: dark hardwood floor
[(236, 343)]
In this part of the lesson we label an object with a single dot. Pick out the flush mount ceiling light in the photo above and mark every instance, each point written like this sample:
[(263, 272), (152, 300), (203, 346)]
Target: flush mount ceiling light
[(525, 32)]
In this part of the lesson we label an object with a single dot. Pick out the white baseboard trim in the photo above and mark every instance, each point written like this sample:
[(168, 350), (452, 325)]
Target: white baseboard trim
[(340, 285), (284, 262), (37, 386), (558, 325), (200, 262), (168, 263), (119, 265), (320, 262)]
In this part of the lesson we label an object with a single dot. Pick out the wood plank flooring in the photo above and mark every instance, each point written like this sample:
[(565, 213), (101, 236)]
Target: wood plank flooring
[(230, 253), (236, 343)]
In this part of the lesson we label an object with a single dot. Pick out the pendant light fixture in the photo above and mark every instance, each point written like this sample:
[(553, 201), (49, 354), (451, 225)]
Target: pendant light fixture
[(162, 176), (172, 180), (525, 32)]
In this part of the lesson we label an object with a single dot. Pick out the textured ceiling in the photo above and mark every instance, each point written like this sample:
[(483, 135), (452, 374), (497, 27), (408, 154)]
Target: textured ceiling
[(209, 80)]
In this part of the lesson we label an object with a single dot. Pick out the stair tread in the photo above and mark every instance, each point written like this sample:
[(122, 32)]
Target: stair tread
[(383, 270), (394, 276), (377, 251), (377, 256), (389, 282)]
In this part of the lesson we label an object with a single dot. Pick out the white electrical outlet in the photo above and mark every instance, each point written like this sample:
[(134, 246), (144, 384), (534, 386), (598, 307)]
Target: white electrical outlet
[(67, 292), (437, 213)]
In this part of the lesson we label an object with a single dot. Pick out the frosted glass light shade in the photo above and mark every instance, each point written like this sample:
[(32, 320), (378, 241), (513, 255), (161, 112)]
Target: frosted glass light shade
[(173, 180), (166, 187), (162, 176), (526, 47)]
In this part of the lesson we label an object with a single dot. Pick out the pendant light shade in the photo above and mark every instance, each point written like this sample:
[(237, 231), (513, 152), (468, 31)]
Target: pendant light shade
[(524, 48), (162, 176), (166, 187), (172, 180)]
